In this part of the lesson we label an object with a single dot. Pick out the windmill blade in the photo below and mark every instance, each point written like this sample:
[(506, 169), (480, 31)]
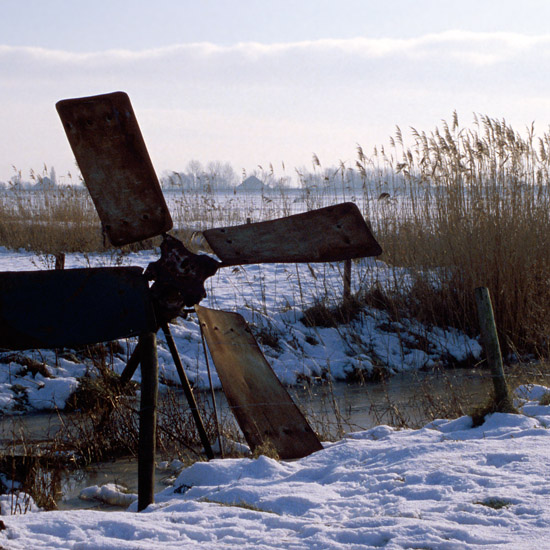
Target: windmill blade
[(106, 140), (263, 408), (73, 307), (329, 234)]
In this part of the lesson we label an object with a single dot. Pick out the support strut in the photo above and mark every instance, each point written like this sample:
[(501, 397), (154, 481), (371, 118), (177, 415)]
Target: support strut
[(188, 391)]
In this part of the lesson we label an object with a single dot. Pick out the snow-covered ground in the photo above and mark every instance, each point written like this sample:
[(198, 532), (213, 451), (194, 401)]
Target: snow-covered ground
[(447, 486), (272, 298)]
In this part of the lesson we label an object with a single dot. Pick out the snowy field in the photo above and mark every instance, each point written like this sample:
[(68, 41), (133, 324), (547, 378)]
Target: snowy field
[(447, 486), (272, 298)]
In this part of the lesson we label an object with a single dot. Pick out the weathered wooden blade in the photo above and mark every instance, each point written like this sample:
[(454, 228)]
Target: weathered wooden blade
[(263, 408), (106, 140), (73, 307), (326, 235)]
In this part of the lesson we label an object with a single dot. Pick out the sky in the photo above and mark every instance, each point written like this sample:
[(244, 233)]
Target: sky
[(267, 83)]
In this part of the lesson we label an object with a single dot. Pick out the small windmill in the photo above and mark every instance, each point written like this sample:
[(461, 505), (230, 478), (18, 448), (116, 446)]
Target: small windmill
[(82, 306)]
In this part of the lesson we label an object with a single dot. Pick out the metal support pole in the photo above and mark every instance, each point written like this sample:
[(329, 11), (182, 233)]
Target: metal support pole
[(147, 420), (188, 392), (212, 393)]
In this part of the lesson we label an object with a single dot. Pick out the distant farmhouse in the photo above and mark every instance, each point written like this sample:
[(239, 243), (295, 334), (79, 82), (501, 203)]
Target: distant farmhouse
[(252, 184)]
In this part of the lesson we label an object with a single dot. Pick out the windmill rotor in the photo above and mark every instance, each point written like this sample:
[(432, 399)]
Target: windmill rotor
[(109, 148), (110, 151), (90, 305)]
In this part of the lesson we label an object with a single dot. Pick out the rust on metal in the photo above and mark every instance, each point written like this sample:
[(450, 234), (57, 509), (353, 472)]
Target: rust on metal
[(330, 234), (262, 406), (179, 277), (108, 145), (73, 307)]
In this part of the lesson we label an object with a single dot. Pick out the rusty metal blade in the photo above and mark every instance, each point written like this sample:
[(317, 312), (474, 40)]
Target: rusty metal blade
[(73, 307), (108, 145), (263, 408), (329, 234)]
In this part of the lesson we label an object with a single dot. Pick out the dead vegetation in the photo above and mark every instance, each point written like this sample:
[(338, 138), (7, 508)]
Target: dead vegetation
[(458, 208), (476, 214), (28, 364), (462, 207), (323, 315)]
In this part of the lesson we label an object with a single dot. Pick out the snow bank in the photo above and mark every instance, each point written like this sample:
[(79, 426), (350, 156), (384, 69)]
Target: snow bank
[(111, 493), (445, 486), (272, 298)]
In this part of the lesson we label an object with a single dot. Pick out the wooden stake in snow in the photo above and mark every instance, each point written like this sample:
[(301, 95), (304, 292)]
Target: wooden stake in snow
[(60, 260), (489, 336)]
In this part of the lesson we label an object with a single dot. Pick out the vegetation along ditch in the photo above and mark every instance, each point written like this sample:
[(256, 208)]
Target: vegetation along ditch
[(453, 209)]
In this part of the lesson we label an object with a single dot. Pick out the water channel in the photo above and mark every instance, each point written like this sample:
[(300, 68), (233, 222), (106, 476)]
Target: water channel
[(410, 399)]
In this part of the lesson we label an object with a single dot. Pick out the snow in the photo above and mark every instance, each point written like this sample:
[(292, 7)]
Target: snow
[(272, 298), (444, 486), (110, 493)]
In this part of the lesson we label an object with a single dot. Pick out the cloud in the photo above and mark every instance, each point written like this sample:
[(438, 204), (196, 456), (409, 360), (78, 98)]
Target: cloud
[(244, 101), (265, 63)]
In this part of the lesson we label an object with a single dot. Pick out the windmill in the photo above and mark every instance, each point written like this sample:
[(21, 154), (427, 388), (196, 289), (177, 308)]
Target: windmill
[(101, 304)]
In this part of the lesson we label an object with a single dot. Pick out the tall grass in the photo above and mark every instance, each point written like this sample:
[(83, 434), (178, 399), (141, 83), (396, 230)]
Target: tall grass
[(458, 207), (50, 220), (475, 213)]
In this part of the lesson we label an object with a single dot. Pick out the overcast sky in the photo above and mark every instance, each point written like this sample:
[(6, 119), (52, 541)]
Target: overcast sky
[(260, 82)]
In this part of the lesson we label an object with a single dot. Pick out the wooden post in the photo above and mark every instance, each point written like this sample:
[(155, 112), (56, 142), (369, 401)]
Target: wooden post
[(489, 336), (147, 420), (60, 260), (347, 280)]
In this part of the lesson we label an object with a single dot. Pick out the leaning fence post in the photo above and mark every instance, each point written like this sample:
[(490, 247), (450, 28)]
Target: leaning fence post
[(489, 336), (147, 419)]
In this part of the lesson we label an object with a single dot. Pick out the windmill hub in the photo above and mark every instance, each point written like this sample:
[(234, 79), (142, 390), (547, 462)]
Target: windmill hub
[(178, 277)]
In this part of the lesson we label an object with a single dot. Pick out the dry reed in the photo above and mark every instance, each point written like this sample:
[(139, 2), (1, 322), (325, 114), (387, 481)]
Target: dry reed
[(459, 208), (476, 213)]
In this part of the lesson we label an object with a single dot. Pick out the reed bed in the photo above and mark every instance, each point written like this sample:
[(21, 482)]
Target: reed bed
[(476, 214), (49, 221), (458, 207)]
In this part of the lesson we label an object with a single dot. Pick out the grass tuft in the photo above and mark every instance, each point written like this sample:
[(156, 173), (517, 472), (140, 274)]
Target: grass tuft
[(495, 503), (323, 315)]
